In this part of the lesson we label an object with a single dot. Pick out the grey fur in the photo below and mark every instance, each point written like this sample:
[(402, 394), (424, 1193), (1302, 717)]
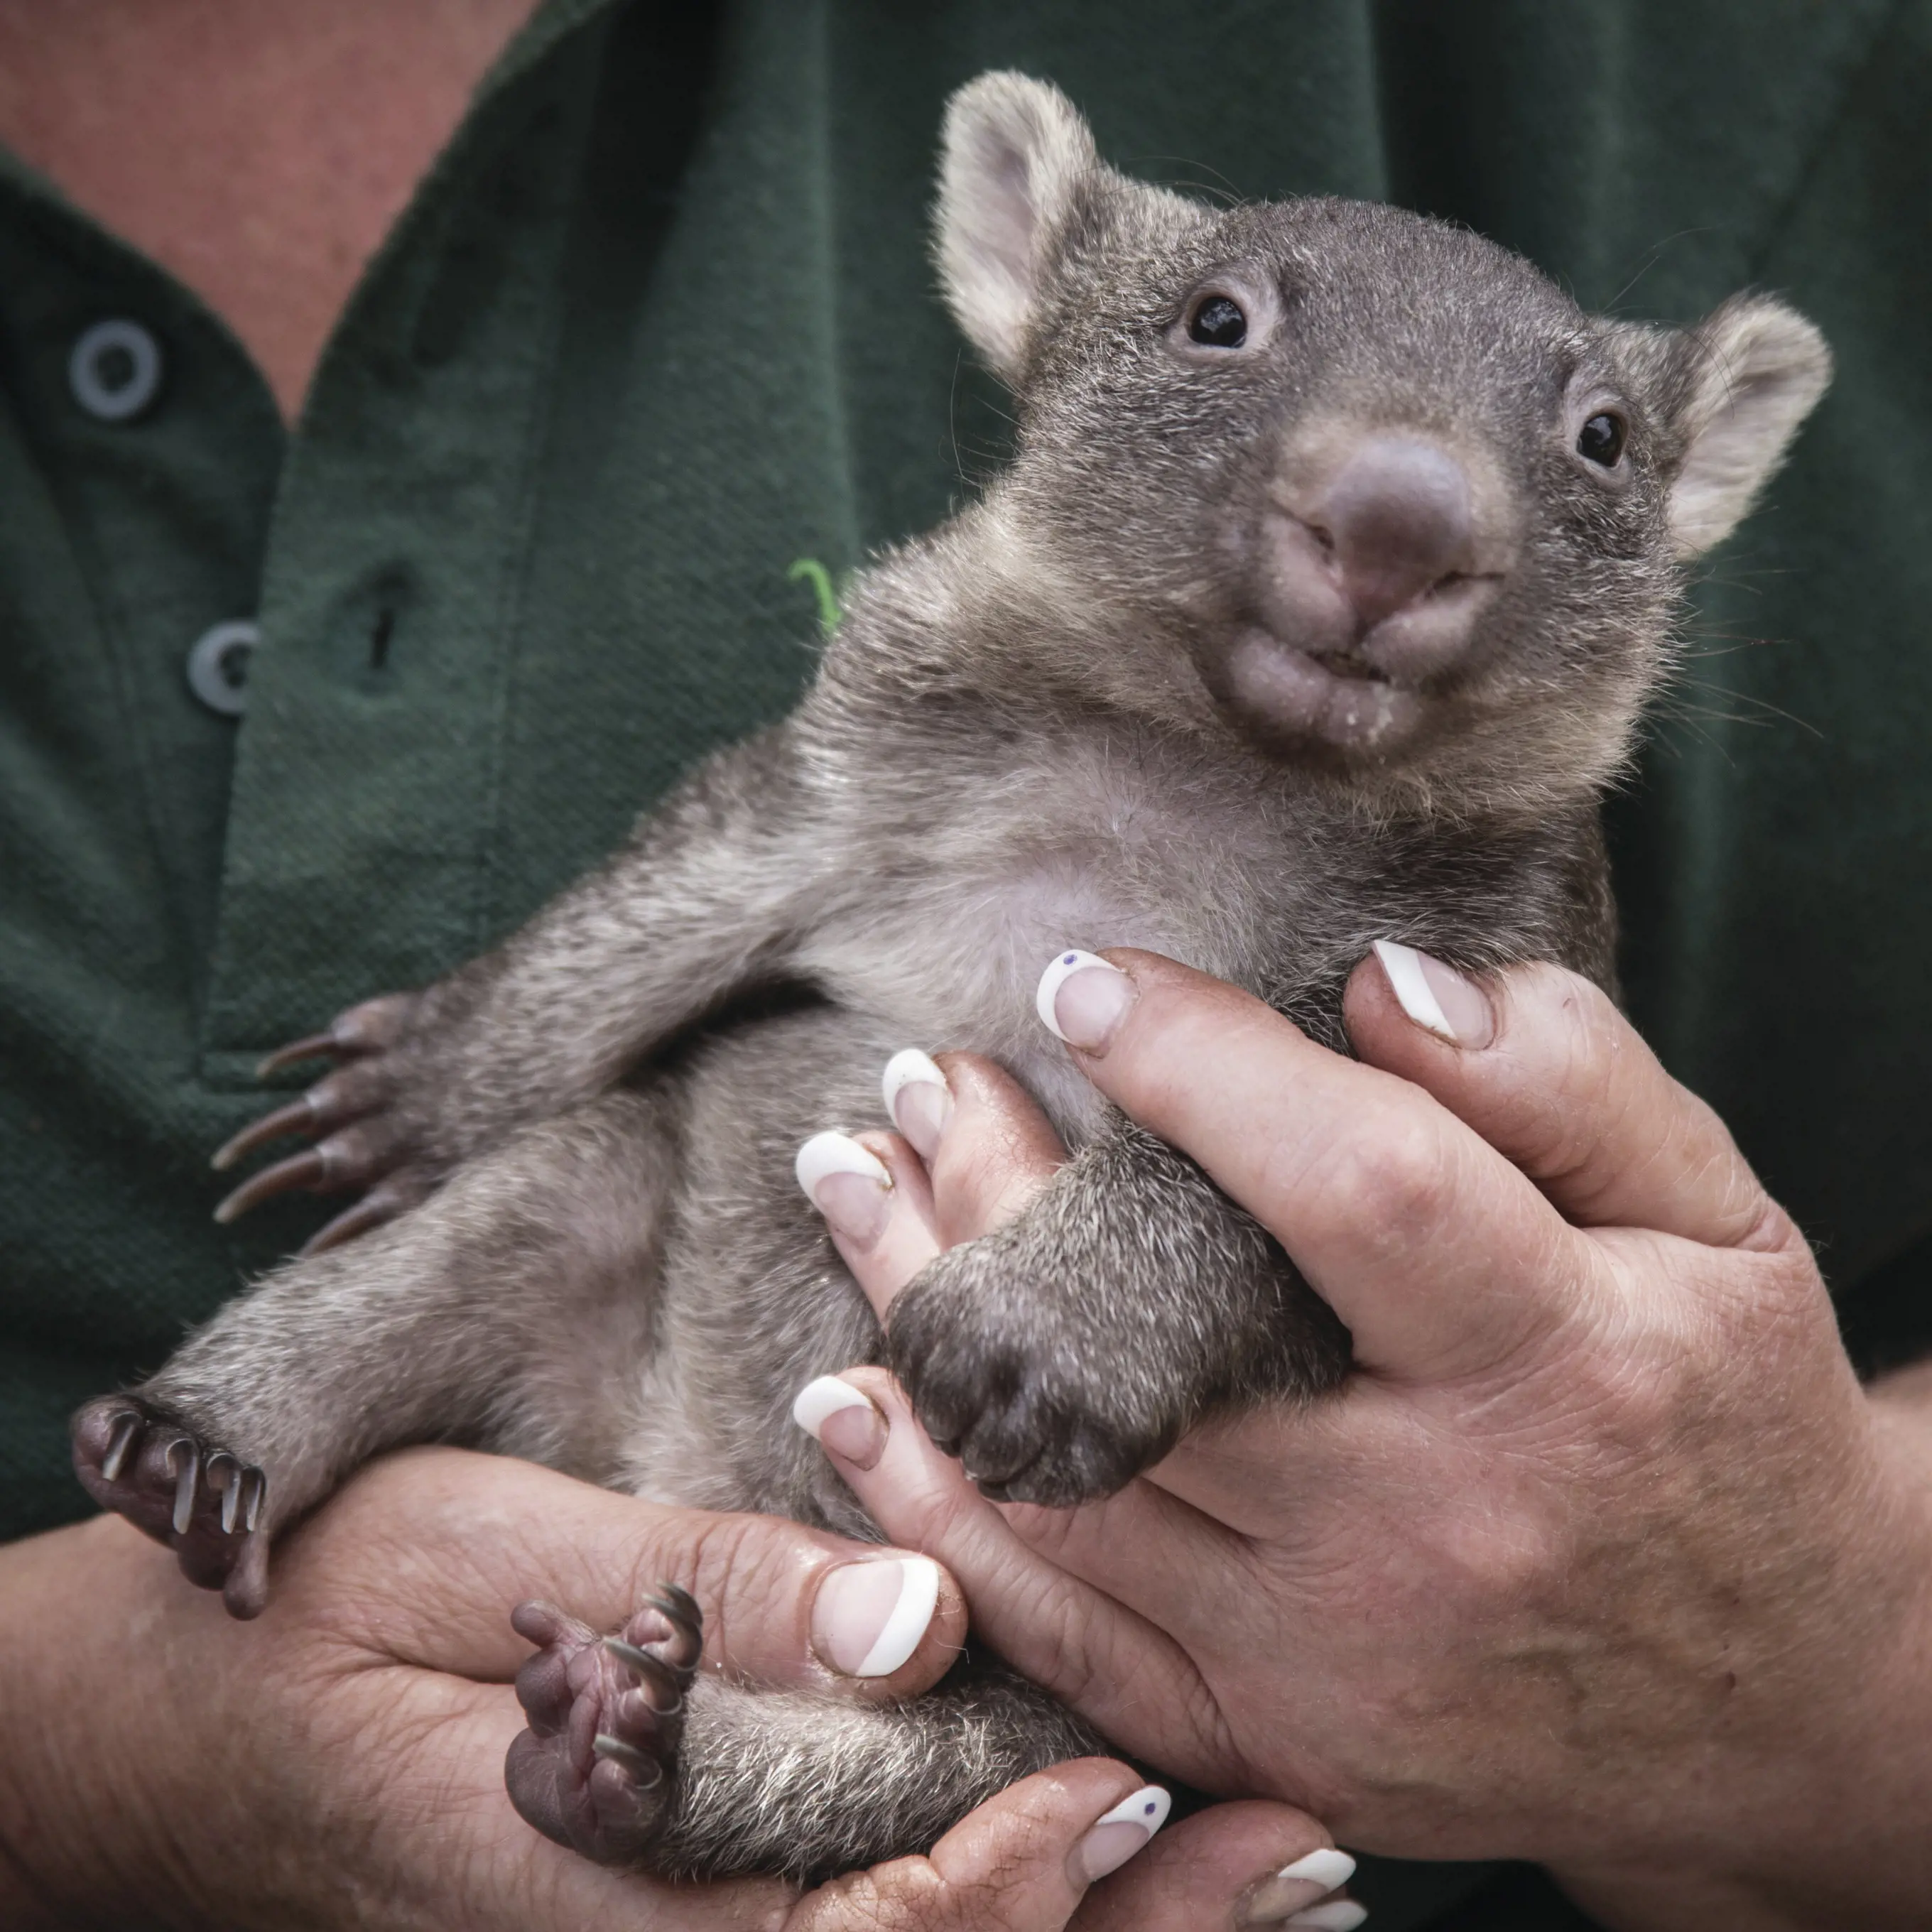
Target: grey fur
[(1021, 738)]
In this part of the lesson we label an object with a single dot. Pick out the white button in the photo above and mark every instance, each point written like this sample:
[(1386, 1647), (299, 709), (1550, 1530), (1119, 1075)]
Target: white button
[(115, 370), (217, 667)]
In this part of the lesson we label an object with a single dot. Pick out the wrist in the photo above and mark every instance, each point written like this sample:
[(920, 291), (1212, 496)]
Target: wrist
[(1821, 1824), (74, 1848)]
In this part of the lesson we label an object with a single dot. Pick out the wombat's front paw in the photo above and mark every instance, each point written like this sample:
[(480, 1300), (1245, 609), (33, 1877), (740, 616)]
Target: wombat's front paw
[(365, 1139), (203, 1502), (594, 1770), (1036, 1416)]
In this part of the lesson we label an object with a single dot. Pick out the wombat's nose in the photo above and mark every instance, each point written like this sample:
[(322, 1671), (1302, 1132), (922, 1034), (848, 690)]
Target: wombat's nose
[(1380, 550), (1397, 514)]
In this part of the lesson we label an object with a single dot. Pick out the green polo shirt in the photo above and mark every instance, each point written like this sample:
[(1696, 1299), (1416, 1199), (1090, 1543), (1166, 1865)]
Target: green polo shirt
[(658, 325)]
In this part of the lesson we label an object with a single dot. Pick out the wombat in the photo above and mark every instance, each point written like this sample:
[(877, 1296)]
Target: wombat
[(1338, 554)]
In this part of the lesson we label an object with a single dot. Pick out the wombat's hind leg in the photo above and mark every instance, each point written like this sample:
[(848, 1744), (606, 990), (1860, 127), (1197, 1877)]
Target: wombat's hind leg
[(361, 1139), (593, 1770), (196, 1497), (633, 1759)]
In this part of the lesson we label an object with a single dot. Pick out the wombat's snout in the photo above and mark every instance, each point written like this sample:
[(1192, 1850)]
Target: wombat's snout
[(1376, 555)]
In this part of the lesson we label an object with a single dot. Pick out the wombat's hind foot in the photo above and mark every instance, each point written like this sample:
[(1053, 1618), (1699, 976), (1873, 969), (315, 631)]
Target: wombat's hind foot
[(360, 1140), (594, 1770), (204, 1502)]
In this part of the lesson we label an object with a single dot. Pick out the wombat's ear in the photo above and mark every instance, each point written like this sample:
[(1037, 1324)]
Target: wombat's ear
[(1016, 154), (1734, 389)]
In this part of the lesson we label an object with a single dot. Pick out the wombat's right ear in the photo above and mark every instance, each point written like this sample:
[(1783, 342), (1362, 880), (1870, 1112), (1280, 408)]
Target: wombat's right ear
[(1734, 390), (1016, 155)]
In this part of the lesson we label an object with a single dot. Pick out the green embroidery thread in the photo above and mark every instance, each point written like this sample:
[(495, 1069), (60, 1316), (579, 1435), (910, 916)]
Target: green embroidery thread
[(820, 578)]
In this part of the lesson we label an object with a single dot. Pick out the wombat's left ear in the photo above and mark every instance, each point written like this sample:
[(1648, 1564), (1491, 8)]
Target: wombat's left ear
[(1017, 155), (1734, 389)]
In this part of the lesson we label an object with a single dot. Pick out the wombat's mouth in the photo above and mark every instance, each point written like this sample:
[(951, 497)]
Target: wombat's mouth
[(1289, 697)]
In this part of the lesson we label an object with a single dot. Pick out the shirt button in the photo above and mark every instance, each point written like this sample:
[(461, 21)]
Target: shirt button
[(217, 666), (115, 371)]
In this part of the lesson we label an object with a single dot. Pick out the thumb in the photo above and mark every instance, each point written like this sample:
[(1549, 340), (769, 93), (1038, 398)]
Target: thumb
[(422, 1557)]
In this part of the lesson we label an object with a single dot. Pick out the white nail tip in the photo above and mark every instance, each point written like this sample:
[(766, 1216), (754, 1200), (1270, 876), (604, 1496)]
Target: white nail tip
[(1403, 965), (918, 1597), (826, 1396), (1064, 966), (1338, 1914), (904, 1070), (825, 1155), (1147, 1807), (1327, 1867)]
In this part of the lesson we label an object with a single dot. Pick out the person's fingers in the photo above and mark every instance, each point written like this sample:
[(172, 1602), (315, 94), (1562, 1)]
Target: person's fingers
[(996, 1152), (1021, 1863), (1542, 1066), (877, 1203), (422, 1556), (1227, 1869), (1437, 1253), (972, 1149), (1119, 1670)]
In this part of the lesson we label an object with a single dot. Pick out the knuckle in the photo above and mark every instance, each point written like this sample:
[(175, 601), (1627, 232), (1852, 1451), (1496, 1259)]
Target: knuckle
[(1394, 1179), (742, 1570)]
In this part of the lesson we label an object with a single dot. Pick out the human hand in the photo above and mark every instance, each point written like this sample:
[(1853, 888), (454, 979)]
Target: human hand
[(339, 1762), (1601, 1558)]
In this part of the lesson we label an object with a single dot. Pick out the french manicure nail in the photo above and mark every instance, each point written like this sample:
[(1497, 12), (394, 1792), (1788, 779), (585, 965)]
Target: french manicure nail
[(918, 1101), (1339, 1915), (847, 1184), (1083, 998), (1109, 1842), (1296, 1886), (868, 1617), (835, 1413), (1437, 997)]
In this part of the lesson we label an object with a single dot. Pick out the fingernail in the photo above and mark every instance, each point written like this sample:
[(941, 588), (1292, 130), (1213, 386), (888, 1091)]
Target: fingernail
[(1111, 1841), (1437, 997), (868, 1618), (835, 1413), (1084, 1000), (1296, 1886), (918, 1101), (1339, 1915), (847, 1184)]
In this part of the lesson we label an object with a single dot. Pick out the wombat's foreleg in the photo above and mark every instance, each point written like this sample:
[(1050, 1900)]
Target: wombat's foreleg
[(1064, 1352), (501, 1312), (707, 899), (632, 1762)]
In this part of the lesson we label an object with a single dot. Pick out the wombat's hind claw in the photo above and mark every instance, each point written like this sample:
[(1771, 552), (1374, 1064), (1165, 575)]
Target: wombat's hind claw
[(127, 1426), (204, 1503), (188, 1476), (647, 1772), (606, 1717)]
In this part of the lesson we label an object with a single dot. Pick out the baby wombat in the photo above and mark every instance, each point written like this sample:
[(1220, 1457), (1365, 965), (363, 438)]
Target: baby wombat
[(1339, 552)]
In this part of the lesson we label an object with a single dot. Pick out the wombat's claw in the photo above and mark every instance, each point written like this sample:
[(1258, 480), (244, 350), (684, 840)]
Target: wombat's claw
[(205, 1504), (383, 1202), (361, 1141), (647, 1771), (371, 1027), (606, 1714)]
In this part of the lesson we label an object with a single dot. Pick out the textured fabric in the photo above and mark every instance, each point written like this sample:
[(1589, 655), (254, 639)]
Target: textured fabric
[(660, 325)]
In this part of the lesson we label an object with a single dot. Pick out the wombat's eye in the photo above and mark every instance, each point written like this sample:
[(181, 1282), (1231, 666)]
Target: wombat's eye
[(1220, 323), (1601, 439)]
